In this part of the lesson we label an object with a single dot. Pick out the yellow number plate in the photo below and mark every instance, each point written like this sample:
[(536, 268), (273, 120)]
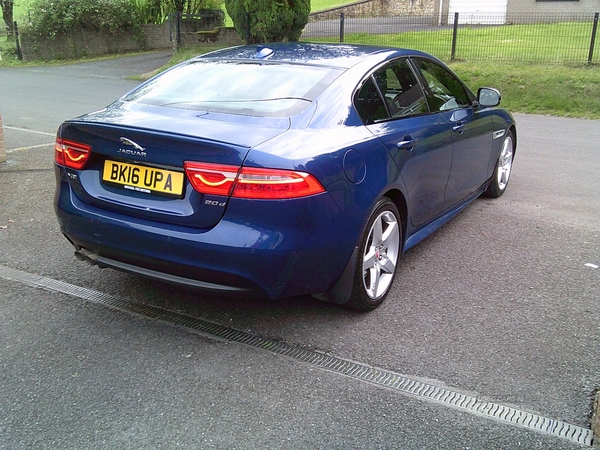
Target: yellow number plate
[(143, 179)]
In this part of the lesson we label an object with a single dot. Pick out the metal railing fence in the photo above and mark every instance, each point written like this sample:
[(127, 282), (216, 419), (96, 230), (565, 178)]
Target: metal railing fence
[(203, 20), (525, 38)]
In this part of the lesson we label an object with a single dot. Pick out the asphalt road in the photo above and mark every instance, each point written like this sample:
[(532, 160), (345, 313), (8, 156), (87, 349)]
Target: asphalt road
[(370, 25), (502, 304)]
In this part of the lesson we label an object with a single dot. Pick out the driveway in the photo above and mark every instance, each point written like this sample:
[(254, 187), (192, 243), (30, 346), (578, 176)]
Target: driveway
[(489, 338)]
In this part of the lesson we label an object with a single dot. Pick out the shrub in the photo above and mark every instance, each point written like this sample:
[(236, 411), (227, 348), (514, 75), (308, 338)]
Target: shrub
[(57, 17), (151, 11), (270, 20), (197, 6)]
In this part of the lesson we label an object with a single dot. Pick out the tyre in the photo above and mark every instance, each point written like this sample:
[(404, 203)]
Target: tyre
[(503, 168), (379, 251)]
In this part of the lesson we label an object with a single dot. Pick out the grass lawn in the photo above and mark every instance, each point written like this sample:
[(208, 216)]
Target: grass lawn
[(538, 89), (526, 87), (557, 43), (320, 5), (528, 84)]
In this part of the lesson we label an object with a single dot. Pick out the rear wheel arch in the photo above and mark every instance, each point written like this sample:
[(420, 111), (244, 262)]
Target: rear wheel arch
[(376, 256), (513, 130), (344, 292), (399, 200)]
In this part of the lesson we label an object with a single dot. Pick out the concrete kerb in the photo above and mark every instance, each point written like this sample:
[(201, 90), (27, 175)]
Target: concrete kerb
[(596, 421), (2, 145)]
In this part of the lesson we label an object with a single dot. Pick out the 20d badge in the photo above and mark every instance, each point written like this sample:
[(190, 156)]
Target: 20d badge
[(150, 180)]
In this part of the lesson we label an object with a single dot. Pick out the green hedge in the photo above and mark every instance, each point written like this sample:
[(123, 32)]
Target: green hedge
[(49, 19)]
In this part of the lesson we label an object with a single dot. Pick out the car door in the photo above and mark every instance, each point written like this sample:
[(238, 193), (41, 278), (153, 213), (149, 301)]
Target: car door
[(393, 106), (471, 130)]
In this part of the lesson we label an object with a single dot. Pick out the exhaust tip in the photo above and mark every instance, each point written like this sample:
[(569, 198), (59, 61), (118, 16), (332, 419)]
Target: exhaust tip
[(83, 254)]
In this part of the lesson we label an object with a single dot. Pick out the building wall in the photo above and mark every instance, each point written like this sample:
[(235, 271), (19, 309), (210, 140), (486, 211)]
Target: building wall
[(527, 11), (552, 7)]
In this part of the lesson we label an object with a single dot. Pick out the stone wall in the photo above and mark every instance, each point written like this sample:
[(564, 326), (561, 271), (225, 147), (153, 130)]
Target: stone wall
[(78, 44), (411, 7), (94, 43), (374, 8), (220, 35), (157, 36)]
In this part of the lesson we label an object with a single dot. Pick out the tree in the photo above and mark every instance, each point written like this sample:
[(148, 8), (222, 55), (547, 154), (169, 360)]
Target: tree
[(155, 11), (269, 20), (179, 5), (7, 15), (195, 6)]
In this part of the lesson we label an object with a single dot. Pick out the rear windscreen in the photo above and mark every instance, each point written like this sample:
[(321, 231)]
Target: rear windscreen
[(237, 87)]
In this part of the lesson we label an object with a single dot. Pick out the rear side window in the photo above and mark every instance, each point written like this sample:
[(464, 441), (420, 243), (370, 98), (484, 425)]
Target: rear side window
[(391, 92), (369, 104)]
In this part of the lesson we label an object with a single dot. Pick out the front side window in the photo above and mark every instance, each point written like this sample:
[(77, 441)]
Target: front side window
[(444, 91)]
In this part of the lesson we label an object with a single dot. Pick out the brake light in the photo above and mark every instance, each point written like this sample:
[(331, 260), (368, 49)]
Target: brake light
[(214, 179), (251, 182), (71, 154), (273, 184)]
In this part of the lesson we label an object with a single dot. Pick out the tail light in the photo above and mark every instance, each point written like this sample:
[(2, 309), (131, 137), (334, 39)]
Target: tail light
[(251, 182), (273, 184), (214, 179), (71, 154)]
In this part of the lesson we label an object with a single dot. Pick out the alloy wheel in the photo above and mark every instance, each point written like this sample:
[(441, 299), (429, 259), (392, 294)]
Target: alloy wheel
[(381, 254)]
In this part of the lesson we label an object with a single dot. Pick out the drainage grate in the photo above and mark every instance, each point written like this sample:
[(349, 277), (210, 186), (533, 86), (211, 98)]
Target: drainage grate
[(402, 383)]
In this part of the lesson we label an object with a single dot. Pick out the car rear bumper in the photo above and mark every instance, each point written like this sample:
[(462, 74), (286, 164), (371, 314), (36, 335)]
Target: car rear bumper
[(301, 252), (92, 258)]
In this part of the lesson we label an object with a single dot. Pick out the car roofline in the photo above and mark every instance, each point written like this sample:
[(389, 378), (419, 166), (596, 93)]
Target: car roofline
[(287, 53), (271, 61)]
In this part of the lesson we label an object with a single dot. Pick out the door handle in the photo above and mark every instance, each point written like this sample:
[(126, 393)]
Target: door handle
[(407, 144), (459, 128)]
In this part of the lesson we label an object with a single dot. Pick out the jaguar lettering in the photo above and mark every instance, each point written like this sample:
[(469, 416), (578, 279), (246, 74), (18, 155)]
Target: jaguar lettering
[(128, 152), (138, 150)]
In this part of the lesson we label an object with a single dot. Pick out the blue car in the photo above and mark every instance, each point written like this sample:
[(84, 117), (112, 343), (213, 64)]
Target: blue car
[(280, 170)]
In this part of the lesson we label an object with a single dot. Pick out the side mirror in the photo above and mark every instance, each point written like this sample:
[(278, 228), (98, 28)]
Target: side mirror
[(488, 97)]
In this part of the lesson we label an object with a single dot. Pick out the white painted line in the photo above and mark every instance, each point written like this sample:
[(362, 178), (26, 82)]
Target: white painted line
[(31, 147), (29, 131), (593, 266)]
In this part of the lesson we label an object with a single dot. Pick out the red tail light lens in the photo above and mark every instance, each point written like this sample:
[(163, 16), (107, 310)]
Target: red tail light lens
[(274, 184), (214, 179), (71, 154), (250, 182)]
